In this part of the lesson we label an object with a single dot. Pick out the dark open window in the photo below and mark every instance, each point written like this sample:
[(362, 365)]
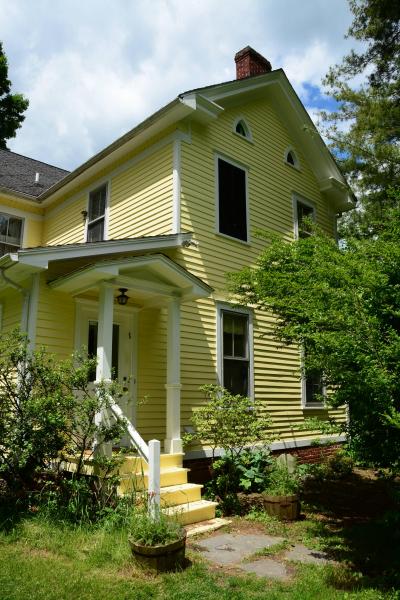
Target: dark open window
[(232, 201), (304, 212), (314, 387), (96, 214), (235, 353)]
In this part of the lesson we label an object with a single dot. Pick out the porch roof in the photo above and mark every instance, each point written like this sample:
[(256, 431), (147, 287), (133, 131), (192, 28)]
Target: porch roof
[(152, 276)]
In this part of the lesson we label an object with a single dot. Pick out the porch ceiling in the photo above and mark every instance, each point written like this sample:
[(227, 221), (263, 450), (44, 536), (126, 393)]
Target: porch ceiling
[(150, 277)]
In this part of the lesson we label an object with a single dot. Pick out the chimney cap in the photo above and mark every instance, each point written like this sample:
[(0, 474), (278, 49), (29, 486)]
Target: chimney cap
[(249, 63)]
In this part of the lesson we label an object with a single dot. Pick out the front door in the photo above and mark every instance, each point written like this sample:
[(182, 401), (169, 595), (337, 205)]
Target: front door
[(123, 363)]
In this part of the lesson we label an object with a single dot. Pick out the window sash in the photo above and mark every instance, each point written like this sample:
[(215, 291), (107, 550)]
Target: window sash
[(10, 233), (96, 214), (235, 352), (303, 211)]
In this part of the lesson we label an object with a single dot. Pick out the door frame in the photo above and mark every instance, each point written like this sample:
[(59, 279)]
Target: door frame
[(87, 310)]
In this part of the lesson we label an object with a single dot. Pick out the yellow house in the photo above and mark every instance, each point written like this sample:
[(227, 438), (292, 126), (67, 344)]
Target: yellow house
[(127, 254)]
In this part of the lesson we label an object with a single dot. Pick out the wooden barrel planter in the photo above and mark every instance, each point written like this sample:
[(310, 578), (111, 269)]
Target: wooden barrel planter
[(162, 558), (285, 508)]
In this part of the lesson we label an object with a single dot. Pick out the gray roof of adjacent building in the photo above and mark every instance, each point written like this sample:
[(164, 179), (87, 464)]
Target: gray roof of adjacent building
[(27, 176)]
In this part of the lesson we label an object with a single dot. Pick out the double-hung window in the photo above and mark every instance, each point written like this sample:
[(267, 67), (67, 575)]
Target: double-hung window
[(97, 214), (232, 200), (10, 233), (312, 387), (235, 352)]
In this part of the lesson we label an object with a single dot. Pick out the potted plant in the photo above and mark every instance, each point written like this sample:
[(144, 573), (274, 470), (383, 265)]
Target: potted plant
[(157, 543), (281, 497)]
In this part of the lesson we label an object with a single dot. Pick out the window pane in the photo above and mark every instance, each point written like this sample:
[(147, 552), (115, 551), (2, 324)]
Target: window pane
[(96, 232), (232, 200), (14, 230), (240, 336), (97, 203), (236, 376), (3, 226), (304, 211), (228, 334), (314, 386)]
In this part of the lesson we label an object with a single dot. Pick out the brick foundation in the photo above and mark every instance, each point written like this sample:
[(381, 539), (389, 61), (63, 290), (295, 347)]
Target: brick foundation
[(200, 468)]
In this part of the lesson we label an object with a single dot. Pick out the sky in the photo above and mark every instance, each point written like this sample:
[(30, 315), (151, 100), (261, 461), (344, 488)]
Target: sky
[(93, 69)]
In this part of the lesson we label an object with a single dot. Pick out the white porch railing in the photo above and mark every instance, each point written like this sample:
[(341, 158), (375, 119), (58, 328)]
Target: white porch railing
[(150, 453)]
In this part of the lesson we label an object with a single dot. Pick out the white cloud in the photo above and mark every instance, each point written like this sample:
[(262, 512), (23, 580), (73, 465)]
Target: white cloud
[(92, 73)]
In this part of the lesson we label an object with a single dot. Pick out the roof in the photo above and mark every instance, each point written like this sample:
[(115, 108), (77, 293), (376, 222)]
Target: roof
[(19, 173)]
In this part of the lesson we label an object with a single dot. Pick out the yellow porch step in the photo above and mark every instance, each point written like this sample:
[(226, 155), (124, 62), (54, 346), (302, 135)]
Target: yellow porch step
[(185, 493), (135, 464), (139, 481), (194, 512)]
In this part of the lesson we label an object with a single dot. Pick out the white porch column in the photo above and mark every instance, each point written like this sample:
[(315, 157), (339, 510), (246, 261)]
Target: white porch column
[(104, 348), (173, 442)]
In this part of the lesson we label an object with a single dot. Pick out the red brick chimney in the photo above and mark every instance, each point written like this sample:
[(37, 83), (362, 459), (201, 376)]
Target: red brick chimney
[(249, 63)]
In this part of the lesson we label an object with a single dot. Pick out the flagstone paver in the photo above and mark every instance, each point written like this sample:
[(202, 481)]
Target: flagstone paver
[(231, 548), (266, 567), (302, 554)]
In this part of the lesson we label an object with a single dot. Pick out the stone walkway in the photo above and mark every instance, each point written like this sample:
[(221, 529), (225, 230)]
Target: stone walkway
[(232, 549)]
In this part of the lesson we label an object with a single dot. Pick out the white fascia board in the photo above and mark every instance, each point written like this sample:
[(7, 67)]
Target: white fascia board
[(42, 256), (204, 110)]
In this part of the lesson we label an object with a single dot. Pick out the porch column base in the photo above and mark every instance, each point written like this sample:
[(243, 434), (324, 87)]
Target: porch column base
[(173, 446)]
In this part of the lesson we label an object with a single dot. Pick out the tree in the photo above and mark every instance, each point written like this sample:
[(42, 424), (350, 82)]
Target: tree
[(342, 304), (12, 106), (364, 131)]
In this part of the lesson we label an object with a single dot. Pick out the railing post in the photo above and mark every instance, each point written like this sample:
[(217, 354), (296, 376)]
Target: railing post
[(154, 479)]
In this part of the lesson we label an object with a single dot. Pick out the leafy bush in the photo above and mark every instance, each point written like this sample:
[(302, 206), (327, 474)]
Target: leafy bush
[(148, 531), (229, 422), (281, 482)]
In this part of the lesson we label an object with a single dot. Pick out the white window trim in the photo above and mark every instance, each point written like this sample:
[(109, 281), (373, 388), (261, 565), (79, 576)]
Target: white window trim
[(244, 168), (297, 198), (99, 184), (225, 307), (17, 215), (304, 404), (296, 158), (248, 137)]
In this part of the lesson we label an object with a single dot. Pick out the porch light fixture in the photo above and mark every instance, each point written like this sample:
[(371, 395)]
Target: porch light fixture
[(122, 298)]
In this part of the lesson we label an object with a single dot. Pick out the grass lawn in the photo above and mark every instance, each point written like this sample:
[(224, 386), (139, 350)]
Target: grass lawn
[(44, 560)]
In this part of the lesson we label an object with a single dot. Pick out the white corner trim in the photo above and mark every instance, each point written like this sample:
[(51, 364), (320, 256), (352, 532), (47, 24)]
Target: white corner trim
[(226, 307), (176, 186)]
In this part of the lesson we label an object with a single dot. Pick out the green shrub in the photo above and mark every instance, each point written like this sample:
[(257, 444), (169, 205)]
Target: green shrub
[(157, 531), (339, 465), (281, 482)]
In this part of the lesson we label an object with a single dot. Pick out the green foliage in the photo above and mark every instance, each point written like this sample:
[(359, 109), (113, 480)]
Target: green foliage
[(342, 304), (364, 131), (231, 422), (12, 106), (246, 472), (281, 482), (47, 411), (157, 531)]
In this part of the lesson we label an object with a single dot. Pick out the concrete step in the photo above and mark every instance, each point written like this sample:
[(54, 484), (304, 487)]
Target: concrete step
[(194, 512), (139, 481), (175, 495), (135, 464)]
